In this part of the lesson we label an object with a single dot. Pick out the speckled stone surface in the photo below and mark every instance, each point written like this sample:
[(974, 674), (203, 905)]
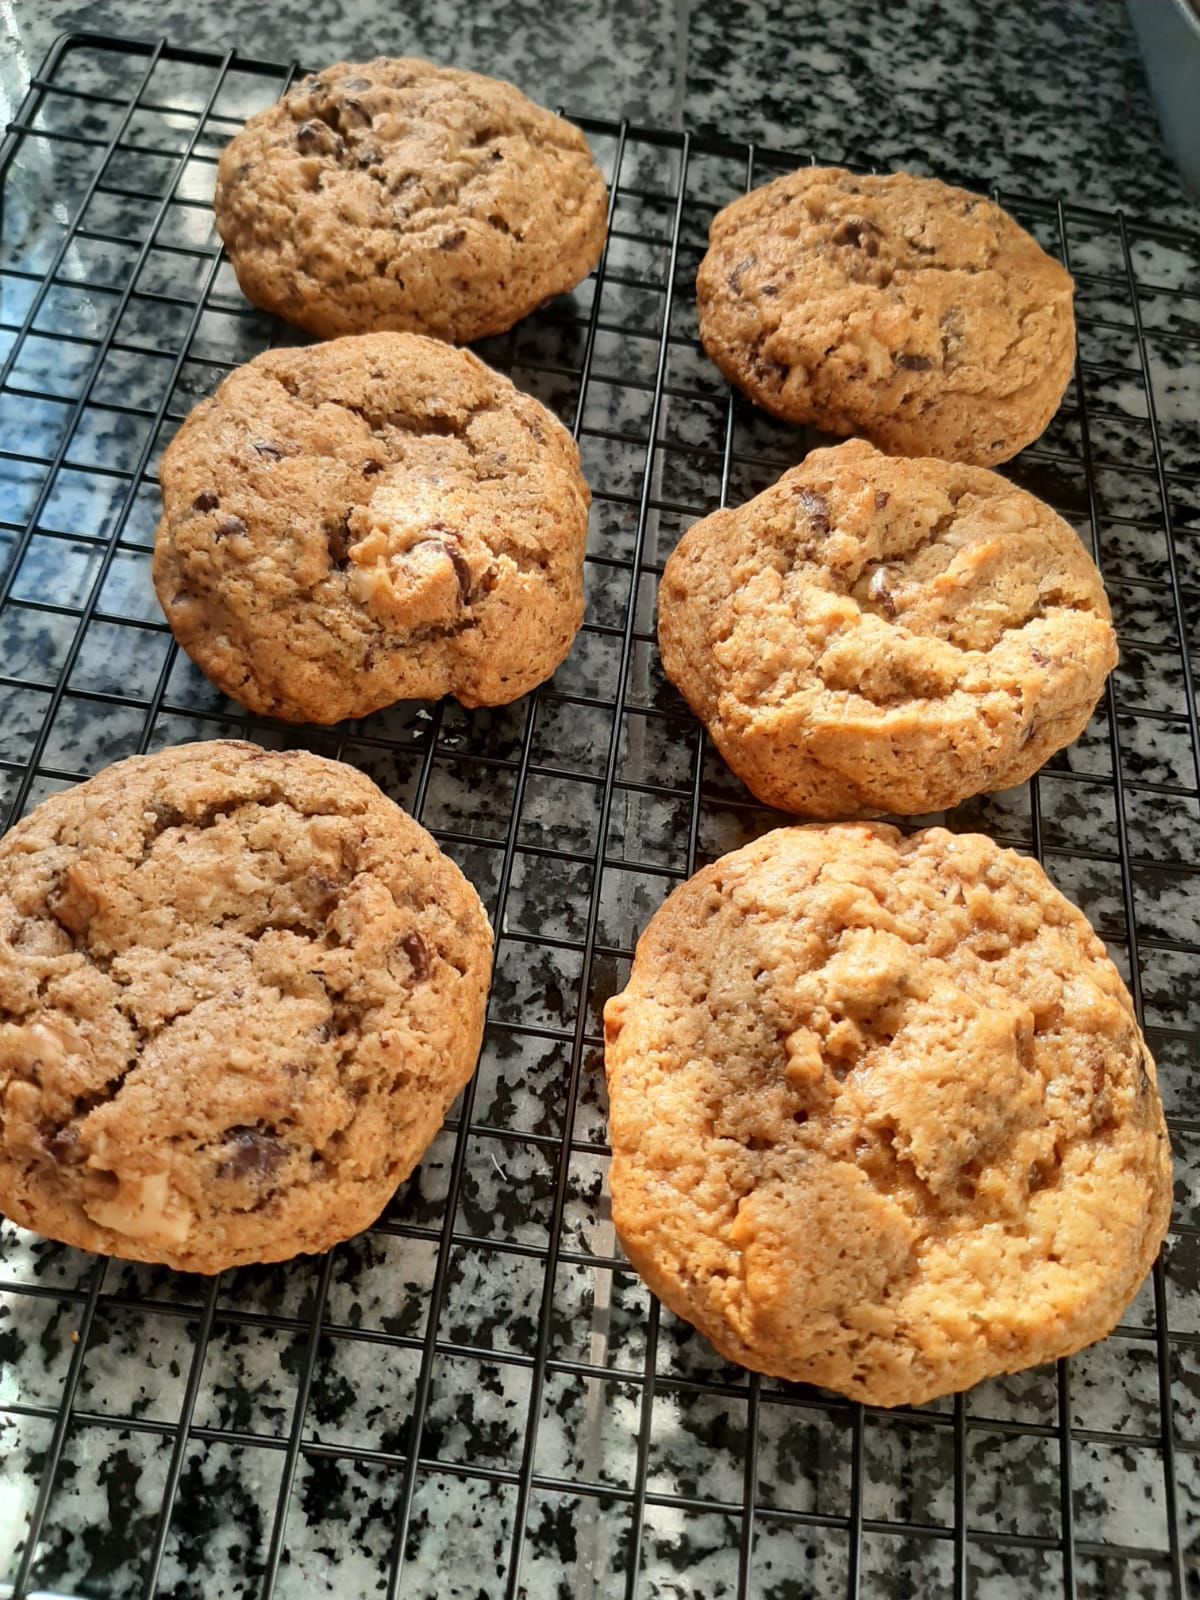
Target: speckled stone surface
[(1046, 100)]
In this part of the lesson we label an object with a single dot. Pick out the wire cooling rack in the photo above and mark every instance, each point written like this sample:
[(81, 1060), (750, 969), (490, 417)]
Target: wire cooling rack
[(477, 1397)]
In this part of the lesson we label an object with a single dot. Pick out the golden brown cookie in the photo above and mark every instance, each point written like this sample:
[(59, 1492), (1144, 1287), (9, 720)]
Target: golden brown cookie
[(238, 992), (919, 315), (375, 519), (881, 1115), (873, 634), (396, 194)]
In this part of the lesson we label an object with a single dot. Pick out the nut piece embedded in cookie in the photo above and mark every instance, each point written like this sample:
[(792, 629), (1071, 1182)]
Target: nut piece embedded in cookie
[(398, 195), (373, 519), (881, 1115), (896, 307), (879, 635), (238, 991)]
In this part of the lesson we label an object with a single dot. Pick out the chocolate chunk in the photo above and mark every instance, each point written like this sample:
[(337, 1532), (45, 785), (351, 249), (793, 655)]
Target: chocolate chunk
[(228, 527), (253, 1153), (264, 447), (881, 499), (205, 502), (418, 955), (339, 544), (913, 363), (370, 468), (735, 277), (452, 240), (816, 507), (858, 234), (356, 84), (881, 592)]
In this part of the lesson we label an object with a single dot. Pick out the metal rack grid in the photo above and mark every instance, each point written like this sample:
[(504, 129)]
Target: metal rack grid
[(574, 1439)]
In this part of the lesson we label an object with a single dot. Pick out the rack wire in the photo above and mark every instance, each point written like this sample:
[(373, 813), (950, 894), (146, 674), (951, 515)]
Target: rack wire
[(478, 1396)]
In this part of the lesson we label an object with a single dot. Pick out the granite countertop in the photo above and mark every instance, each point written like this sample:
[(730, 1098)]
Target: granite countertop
[(1043, 101), (1048, 99)]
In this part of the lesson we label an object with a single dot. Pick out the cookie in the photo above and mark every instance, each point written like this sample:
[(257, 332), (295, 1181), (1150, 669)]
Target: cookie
[(881, 1115), (239, 990), (873, 634), (394, 194), (375, 519), (918, 315)]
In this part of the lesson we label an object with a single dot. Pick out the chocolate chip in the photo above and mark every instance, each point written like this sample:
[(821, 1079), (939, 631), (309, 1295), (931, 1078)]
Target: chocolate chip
[(357, 84), (770, 371), (858, 234), (452, 240), (252, 1154), (735, 277), (881, 499), (370, 468), (816, 507), (317, 136), (913, 363), (205, 502), (265, 448), (339, 544), (881, 591), (769, 290), (228, 527), (497, 155), (351, 113), (63, 1145), (461, 571), (418, 955)]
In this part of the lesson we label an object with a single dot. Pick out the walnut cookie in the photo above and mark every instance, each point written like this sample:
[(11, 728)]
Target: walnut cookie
[(239, 990), (395, 194), (881, 1115), (918, 315), (374, 519), (874, 635)]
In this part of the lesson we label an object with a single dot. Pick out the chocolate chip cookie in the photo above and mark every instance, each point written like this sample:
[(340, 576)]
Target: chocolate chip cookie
[(238, 991), (399, 195), (874, 634), (374, 519), (881, 1115), (918, 315)]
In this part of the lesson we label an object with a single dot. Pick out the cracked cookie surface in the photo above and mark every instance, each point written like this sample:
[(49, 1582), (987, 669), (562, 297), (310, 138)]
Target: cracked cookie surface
[(396, 194), (881, 1115), (874, 634), (916, 314), (239, 990), (375, 519)]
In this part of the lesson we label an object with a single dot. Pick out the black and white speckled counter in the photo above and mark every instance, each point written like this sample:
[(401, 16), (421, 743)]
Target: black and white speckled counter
[(1047, 98)]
